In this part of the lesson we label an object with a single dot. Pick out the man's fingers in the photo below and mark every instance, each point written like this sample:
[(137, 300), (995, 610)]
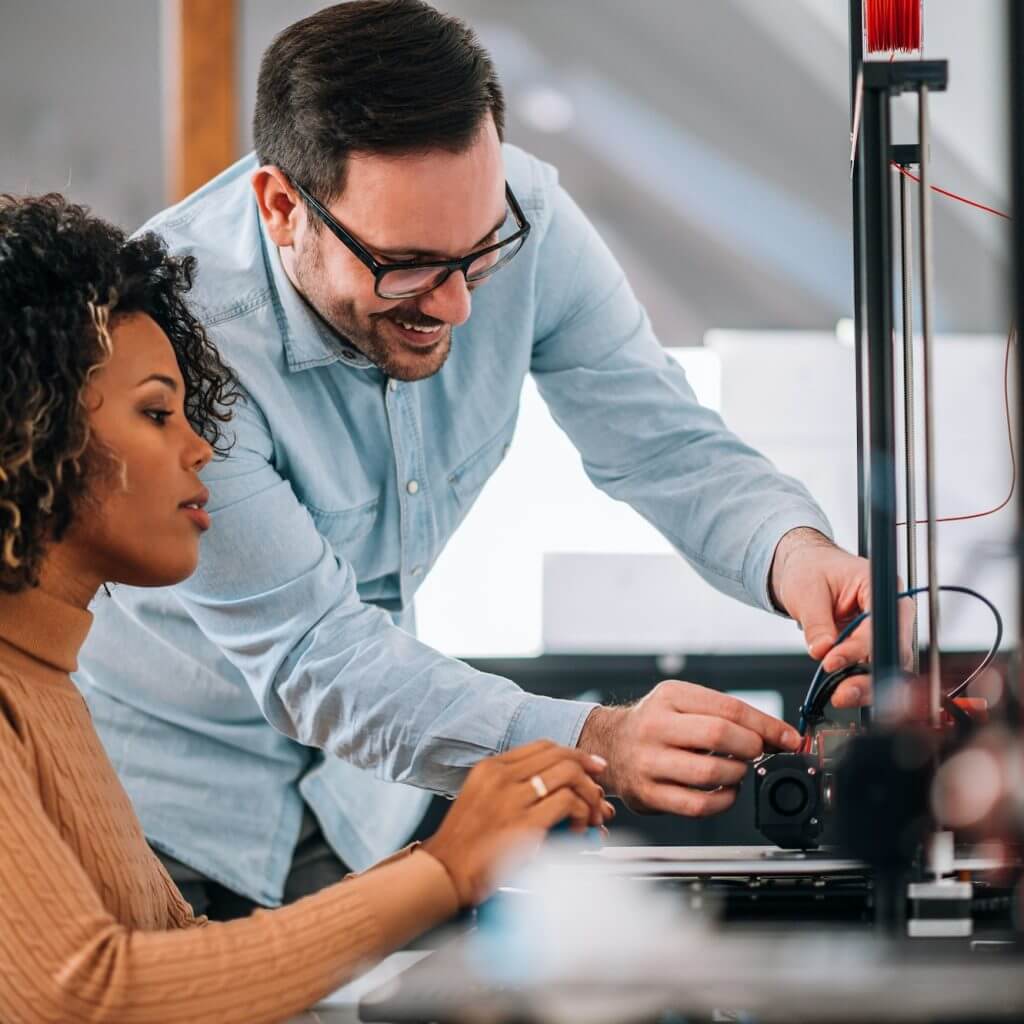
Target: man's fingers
[(854, 692), (855, 648), (708, 732), (692, 803), (695, 700), (815, 616), (685, 768), (907, 614)]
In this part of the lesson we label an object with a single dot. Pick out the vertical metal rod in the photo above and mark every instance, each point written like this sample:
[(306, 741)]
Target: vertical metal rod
[(909, 427), (856, 59), (878, 289), (859, 347), (1015, 47), (928, 357)]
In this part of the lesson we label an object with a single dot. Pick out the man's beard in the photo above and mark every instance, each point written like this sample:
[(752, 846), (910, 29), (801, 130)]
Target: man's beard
[(372, 335)]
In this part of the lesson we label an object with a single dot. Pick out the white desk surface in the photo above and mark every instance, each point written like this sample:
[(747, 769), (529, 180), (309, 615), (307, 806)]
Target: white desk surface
[(341, 1007)]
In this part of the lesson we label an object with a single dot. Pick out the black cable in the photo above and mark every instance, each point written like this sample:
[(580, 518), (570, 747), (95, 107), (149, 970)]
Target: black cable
[(819, 680), (993, 650), (957, 713), (811, 714)]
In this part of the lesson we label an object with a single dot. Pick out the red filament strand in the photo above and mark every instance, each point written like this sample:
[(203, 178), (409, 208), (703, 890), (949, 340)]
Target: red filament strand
[(893, 25), (1010, 338)]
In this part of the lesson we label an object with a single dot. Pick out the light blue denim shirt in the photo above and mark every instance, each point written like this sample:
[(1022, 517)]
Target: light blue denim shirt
[(286, 669)]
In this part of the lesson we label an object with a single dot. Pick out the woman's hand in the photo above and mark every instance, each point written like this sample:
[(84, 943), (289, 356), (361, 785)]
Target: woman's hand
[(510, 801)]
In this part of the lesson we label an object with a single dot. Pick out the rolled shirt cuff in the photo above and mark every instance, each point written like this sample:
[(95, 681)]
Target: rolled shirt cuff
[(546, 718), (757, 562)]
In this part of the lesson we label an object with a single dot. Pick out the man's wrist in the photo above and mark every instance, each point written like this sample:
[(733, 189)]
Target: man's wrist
[(791, 542), (598, 737)]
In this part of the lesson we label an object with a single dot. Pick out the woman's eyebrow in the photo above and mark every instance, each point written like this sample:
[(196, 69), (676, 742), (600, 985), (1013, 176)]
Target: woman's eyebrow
[(440, 255), (161, 378)]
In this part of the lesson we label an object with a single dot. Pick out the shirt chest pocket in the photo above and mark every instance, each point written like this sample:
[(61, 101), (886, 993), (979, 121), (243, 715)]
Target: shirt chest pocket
[(347, 530), (468, 478)]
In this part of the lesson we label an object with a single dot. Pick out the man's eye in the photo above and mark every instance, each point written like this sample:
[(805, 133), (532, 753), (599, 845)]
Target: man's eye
[(158, 416)]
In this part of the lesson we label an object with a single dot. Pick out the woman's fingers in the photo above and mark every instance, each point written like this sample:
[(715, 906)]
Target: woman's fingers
[(541, 760), (569, 774), (560, 806)]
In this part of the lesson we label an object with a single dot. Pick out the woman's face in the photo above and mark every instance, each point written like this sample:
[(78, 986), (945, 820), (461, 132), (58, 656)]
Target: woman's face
[(142, 522)]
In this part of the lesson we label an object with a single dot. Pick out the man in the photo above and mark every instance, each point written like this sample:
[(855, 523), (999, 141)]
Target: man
[(338, 268)]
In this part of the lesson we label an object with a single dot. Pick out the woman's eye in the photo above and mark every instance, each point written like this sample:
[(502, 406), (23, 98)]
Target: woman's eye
[(158, 416)]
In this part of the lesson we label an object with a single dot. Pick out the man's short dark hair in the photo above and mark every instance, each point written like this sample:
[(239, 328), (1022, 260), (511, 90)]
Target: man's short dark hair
[(372, 76)]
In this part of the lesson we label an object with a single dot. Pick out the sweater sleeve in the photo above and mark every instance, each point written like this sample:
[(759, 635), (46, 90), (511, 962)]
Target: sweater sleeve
[(64, 958)]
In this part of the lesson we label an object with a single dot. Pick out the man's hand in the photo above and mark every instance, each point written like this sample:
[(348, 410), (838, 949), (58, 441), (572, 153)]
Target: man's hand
[(823, 588), (683, 748)]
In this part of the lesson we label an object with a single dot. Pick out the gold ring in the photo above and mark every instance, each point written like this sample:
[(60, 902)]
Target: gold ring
[(538, 787)]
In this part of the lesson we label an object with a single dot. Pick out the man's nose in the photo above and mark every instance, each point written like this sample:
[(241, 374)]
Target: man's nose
[(450, 302)]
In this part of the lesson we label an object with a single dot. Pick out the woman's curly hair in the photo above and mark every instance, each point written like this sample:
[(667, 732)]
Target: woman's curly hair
[(65, 276)]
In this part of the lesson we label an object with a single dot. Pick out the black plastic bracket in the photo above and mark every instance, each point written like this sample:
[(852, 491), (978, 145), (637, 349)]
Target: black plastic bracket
[(906, 154), (906, 75)]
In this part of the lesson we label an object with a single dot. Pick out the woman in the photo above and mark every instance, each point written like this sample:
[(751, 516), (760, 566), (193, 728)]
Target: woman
[(112, 400)]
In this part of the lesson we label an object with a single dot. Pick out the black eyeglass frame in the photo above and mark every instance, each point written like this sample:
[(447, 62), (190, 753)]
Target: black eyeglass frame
[(379, 270)]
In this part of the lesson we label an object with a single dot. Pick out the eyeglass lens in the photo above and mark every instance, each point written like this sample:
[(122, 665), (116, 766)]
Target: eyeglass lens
[(406, 282)]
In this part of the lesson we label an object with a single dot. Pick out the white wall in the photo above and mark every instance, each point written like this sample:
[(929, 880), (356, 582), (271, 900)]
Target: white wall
[(546, 562)]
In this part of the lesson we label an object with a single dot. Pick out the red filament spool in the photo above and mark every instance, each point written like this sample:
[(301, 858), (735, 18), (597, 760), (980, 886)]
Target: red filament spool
[(893, 25)]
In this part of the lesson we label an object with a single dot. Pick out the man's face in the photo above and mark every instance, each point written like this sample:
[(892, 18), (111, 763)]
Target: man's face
[(426, 206)]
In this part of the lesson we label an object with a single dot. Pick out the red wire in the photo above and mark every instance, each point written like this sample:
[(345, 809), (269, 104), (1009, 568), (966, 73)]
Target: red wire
[(953, 195), (1013, 455), (1006, 370)]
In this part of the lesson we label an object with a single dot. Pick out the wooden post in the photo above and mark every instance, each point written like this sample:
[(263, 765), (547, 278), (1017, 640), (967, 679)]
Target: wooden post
[(200, 92)]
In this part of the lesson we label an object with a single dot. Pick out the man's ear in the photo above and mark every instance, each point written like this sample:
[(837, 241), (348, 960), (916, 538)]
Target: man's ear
[(279, 204)]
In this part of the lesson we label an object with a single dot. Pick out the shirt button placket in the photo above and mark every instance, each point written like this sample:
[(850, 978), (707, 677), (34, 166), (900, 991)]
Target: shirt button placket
[(415, 512)]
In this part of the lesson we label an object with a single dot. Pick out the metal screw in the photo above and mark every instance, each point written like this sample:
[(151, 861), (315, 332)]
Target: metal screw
[(814, 821), (812, 770), (762, 771)]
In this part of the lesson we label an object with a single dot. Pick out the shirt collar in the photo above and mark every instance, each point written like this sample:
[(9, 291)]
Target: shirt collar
[(308, 341), (44, 627)]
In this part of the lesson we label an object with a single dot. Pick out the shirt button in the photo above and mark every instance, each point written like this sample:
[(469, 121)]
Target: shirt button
[(412, 486), (392, 385), (417, 570)]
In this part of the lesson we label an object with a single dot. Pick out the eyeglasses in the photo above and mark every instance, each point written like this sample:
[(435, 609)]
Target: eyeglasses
[(407, 278)]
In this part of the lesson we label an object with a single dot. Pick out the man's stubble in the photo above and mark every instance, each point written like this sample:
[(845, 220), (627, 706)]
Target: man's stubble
[(367, 334)]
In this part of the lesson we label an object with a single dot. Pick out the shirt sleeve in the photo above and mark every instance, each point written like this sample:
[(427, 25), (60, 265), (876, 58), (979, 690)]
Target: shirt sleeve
[(643, 436), (64, 958), (326, 668)]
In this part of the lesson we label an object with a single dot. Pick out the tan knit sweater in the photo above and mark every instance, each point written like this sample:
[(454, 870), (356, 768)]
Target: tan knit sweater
[(91, 926)]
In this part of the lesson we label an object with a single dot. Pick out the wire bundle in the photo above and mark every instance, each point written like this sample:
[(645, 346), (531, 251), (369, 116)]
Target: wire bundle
[(824, 685), (893, 25)]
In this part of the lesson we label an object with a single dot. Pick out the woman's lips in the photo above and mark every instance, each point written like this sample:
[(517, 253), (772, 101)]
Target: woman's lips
[(199, 516)]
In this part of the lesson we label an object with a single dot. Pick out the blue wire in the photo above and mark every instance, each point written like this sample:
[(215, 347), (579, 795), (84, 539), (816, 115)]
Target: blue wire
[(812, 690)]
